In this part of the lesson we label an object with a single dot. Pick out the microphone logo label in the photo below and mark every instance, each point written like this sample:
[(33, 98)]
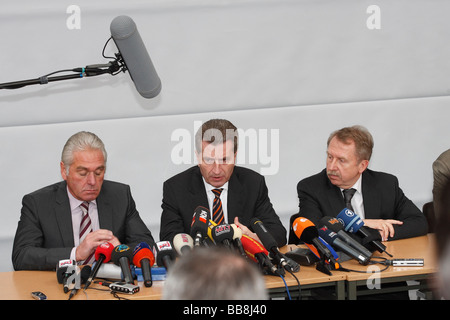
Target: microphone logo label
[(121, 248), (221, 229)]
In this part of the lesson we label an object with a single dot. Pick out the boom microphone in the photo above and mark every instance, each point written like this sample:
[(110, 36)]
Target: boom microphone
[(102, 255), (135, 55), (354, 224), (121, 256), (143, 258)]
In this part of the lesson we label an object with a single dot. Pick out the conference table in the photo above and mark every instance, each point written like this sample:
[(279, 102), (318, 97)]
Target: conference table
[(18, 285)]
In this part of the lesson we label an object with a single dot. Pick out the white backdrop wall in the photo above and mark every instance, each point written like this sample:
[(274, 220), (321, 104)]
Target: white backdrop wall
[(286, 72)]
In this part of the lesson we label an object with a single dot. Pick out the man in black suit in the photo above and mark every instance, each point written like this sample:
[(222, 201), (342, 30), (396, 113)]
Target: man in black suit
[(378, 198), (50, 221), (243, 194)]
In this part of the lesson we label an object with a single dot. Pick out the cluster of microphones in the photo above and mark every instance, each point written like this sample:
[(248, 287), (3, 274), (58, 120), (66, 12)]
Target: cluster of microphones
[(334, 238), (324, 241)]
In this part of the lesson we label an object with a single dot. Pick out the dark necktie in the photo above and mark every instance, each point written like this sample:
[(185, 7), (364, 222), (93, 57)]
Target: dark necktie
[(348, 195), (217, 207)]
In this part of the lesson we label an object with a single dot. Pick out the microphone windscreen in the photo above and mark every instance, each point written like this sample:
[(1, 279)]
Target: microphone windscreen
[(305, 230), (104, 249), (200, 221), (237, 232), (350, 220), (122, 250), (182, 241), (332, 223), (222, 232), (252, 247), (266, 238), (142, 251), (135, 55), (85, 273), (61, 268)]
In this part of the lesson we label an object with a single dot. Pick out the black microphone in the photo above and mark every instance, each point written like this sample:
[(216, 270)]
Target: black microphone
[(222, 234), (270, 244), (102, 255), (165, 255), (332, 238), (334, 225), (121, 256), (137, 60), (354, 224), (61, 272), (199, 225), (81, 278)]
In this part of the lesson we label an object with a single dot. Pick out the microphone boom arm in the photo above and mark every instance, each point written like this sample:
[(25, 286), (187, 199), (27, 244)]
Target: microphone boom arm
[(113, 67)]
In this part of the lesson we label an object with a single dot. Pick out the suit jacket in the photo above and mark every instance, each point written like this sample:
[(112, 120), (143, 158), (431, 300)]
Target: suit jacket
[(441, 177), (247, 198), (382, 199), (45, 235)]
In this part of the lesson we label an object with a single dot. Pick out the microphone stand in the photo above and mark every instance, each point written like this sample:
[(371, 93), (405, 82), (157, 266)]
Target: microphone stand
[(113, 67)]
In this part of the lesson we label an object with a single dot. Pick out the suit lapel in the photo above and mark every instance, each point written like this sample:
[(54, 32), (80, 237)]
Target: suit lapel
[(197, 190), (335, 199), (105, 210), (371, 199), (63, 215), (235, 201)]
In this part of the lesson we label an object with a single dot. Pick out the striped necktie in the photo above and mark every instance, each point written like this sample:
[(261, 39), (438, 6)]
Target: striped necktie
[(217, 207), (85, 228)]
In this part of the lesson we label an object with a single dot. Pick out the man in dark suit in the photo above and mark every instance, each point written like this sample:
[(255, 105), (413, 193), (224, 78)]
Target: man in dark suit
[(243, 192), (377, 198), (52, 218)]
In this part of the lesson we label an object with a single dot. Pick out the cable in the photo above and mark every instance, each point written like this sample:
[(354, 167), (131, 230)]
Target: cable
[(299, 288), (287, 289)]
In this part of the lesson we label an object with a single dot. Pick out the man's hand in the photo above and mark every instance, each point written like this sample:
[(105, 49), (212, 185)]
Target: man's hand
[(385, 227), (92, 241), (246, 230)]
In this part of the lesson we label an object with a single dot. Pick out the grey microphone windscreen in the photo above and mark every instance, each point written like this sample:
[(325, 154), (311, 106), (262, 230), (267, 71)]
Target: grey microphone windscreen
[(129, 42)]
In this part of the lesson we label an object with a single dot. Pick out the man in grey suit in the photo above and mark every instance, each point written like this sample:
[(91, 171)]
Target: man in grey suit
[(51, 218), (377, 198)]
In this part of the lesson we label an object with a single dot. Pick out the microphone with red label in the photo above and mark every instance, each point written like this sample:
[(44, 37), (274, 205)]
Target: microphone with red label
[(183, 243), (102, 255), (199, 225), (143, 258), (165, 255), (222, 234)]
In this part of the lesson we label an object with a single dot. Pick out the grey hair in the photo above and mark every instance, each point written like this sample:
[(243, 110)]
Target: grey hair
[(81, 141), (214, 274)]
